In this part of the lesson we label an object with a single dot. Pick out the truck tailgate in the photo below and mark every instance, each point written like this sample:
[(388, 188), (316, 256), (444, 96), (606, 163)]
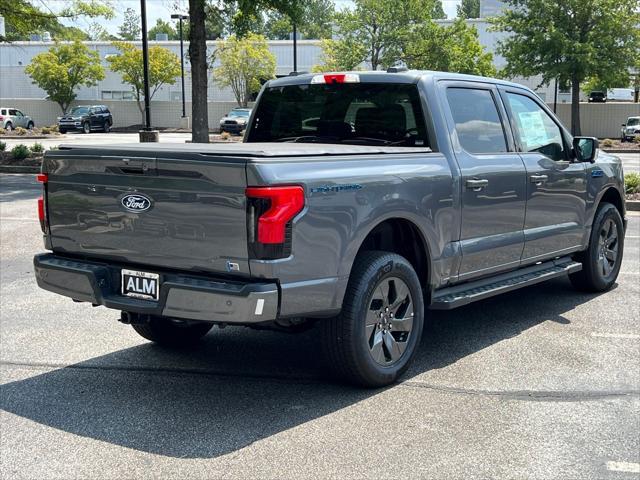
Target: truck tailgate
[(162, 208)]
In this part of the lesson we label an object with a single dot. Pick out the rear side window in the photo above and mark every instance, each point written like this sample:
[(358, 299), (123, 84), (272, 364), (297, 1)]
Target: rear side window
[(535, 129), (477, 121), (356, 114)]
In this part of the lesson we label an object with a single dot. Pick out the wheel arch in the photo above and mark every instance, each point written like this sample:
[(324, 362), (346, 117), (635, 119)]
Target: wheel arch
[(402, 236), (613, 196)]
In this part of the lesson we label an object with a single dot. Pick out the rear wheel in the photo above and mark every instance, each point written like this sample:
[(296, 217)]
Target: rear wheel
[(106, 127), (8, 126), (373, 340), (172, 333), (30, 125), (86, 127), (602, 259)]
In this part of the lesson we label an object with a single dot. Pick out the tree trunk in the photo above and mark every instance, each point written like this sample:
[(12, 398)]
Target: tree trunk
[(198, 58), (575, 107)]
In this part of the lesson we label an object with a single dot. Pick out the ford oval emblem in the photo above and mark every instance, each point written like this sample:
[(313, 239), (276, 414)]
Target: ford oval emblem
[(135, 202)]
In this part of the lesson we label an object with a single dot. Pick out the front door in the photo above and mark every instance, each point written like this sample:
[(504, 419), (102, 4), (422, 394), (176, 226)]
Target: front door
[(493, 185), (556, 184)]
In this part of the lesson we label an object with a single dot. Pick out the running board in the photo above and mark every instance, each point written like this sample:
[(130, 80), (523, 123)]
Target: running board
[(458, 295)]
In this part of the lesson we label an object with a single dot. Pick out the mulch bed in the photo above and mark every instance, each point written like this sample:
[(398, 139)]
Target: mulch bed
[(34, 160)]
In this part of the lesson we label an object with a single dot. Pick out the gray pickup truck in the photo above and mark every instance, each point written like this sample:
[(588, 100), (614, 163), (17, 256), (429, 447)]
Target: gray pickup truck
[(358, 202)]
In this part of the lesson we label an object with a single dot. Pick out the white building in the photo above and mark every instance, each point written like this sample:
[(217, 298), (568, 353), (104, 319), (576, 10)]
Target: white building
[(15, 83)]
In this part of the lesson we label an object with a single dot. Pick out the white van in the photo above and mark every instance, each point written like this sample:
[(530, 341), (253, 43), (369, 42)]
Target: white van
[(620, 95)]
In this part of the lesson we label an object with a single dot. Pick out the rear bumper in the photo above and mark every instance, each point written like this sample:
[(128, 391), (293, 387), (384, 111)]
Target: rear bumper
[(181, 296)]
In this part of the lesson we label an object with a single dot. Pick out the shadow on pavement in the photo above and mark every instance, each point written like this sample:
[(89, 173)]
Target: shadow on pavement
[(18, 187), (202, 405)]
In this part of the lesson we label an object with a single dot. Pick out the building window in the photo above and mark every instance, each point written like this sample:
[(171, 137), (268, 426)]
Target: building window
[(117, 95), (106, 95)]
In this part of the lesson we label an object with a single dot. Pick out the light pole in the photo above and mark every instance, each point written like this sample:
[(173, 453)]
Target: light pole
[(180, 17), (147, 134)]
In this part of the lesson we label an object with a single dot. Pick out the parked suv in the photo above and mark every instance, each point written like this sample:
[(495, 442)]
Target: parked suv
[(86, 118), (11, 118), (597, 97), (235, 121), (630, 129)]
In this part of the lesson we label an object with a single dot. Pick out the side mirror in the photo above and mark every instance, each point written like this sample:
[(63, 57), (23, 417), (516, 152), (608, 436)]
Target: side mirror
[(624, 125), (585, 148)]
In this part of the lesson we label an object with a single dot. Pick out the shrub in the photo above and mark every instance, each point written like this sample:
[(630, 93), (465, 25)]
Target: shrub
[(2, 131), (53, 128), (607, 142), (45, 130), (20, 131), (632, 183), (37, 148), (636, 139), (225, 136), (20, 152), (3, 146)]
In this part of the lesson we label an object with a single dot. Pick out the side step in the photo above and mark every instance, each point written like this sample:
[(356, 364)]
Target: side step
[(458, 295)]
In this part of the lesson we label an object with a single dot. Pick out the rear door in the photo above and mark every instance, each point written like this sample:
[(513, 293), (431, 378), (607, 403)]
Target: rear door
[(492, 180), (556, 186), (177, 210)]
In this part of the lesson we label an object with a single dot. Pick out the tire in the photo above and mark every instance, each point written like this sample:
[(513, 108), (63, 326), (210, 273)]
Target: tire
[(363, 348), (62, 130), (8, 126), (86, 127), (106, 128), (30, 126), (172, 333), (623, 139), (603, 257)]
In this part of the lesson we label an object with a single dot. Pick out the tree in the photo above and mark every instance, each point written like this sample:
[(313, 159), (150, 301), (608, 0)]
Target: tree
[(449, 49), (22, 17), (340, 55), (163, 27), (468, 9), (63, 68), (130, 28), (164, 68), (571, 41), (315, 21), (383, 26), (244, 63)]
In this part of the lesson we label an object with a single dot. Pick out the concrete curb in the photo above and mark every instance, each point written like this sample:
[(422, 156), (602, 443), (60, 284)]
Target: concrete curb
[(31, 137), (620, 150), (19, 169), (633, 205)]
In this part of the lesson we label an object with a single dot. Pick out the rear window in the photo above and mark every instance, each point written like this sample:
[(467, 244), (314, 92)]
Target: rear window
[(356, 114)]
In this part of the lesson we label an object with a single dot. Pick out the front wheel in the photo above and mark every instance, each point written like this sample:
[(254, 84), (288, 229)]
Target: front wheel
[(106, 127), (372, 342), (602, 260), (30, 126), (172, 333), (86, 128)]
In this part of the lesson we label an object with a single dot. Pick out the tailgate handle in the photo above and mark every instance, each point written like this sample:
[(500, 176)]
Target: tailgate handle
[(136, 166)]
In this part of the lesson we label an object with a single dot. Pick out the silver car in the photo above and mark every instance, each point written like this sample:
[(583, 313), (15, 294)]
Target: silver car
[(11, 118), (630, 129)]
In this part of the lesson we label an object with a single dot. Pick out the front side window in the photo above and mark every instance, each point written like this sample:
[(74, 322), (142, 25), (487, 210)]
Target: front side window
[(478, 124), (13, 112), (535, 129), (347, 113)]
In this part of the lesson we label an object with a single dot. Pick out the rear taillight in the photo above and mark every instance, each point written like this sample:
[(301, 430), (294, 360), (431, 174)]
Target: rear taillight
[(270, 211), (42, 212)]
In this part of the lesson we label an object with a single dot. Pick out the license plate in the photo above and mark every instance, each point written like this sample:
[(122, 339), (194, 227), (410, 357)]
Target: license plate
[(141, 284)]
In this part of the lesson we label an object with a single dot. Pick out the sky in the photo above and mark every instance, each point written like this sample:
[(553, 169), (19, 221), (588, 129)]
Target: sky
[(164, 8)]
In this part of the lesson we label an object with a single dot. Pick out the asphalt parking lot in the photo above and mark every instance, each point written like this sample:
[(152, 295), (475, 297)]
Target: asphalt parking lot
[(540, 383)]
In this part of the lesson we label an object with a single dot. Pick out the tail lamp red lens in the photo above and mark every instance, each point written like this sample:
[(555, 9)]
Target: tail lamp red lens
[(42, 216), (284, 204)]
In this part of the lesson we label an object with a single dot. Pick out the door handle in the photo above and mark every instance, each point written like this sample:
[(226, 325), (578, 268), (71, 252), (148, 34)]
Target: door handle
[(538, 179), (476, 185)]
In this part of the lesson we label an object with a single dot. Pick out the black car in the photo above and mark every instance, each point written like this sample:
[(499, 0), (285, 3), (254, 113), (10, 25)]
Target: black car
[(597, 97), (86, 118)]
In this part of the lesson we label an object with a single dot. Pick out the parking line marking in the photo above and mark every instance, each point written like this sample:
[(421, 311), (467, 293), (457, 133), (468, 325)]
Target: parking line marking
[(18, 219), (615, 335), (628, 467)]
